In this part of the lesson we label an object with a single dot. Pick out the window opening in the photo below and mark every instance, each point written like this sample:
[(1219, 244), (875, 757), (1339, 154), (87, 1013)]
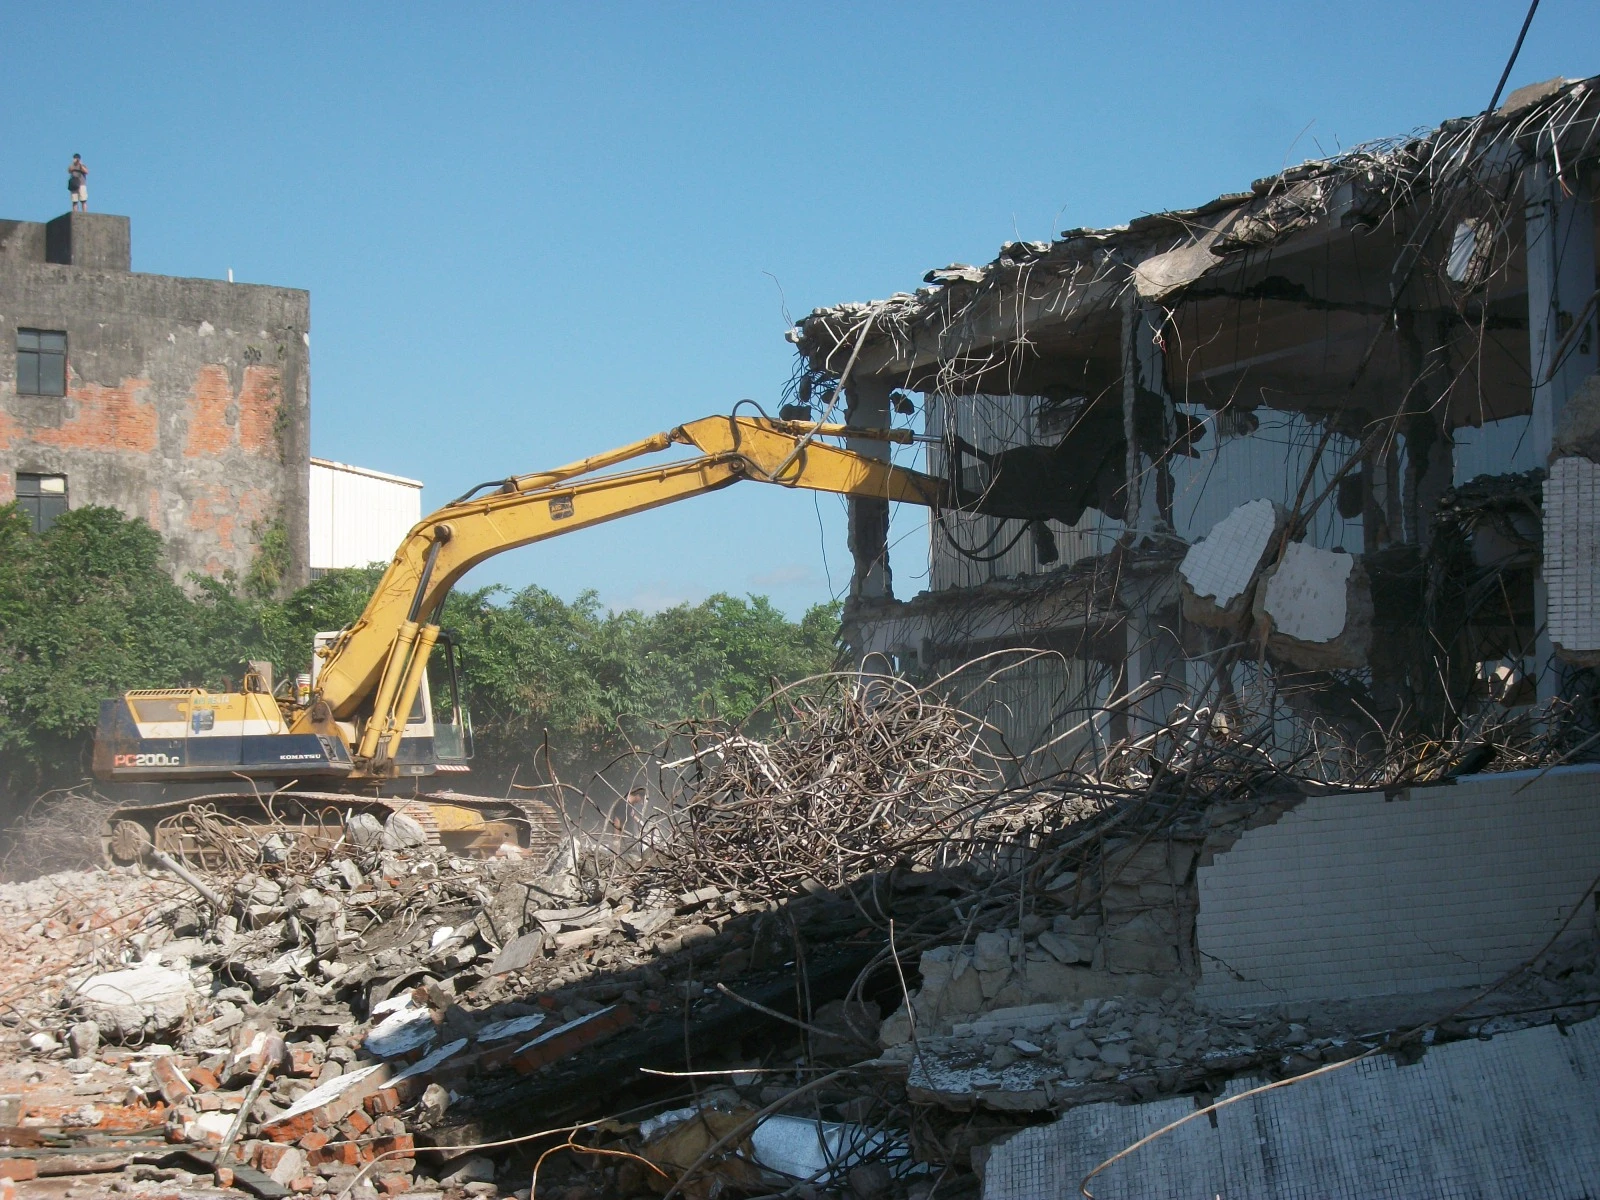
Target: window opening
[(42, 497), (41, 362)]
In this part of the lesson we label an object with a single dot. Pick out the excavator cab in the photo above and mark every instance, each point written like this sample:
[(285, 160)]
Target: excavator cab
[(452, 737), (431, 741)]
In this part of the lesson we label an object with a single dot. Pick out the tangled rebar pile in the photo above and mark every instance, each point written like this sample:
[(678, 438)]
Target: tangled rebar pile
[(855, 779), (59, 832)]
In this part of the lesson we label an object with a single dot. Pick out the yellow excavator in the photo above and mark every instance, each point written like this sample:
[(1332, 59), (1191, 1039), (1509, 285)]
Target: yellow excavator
[(362, 724)]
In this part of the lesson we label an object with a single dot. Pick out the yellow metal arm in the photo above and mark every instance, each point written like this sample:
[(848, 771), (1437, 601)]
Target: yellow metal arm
[(377, 663)]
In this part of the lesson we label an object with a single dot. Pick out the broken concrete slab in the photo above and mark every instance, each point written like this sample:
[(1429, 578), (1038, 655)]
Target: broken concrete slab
[(138, 1002), (334, 1100), (566, 1039), (519, 952), (497, 1031), (1162, 275), (1318, 607), (406, 1027), (1219, 571)]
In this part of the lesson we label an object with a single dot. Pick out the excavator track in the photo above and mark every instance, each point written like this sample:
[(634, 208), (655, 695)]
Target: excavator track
[(191, 829)]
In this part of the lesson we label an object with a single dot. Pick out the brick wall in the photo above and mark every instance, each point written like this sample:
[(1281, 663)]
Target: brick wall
[(187, 400), (1372, 894)]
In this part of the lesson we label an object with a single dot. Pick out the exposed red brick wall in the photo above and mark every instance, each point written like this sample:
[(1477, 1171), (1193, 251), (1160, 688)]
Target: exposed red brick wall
[(258, 408), (107, 418), (8, 431), (222, 512), (187, 405), (212, 511), (210, 434)]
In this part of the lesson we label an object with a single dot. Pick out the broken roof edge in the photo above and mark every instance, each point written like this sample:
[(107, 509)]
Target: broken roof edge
[(1161, 253)]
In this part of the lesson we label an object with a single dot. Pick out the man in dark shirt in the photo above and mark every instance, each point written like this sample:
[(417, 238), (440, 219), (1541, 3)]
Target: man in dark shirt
[(78, 184)]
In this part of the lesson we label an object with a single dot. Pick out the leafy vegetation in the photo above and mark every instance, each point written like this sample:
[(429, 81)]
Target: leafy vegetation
[(87, 610)]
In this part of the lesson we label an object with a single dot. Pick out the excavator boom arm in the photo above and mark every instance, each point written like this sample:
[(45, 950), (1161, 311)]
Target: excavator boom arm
[(381, 656)]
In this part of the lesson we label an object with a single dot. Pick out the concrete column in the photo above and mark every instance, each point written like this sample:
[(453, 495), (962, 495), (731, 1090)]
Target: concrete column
[(1155, 502), (1130, 398), (1149, 502), (867, 405), (1559, 230), (1561, 278), (1153, 649), (1383, 523), (1429, 460)]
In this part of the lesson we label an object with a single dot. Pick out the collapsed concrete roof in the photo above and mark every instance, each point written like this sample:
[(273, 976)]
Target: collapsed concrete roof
[(1307, 267)]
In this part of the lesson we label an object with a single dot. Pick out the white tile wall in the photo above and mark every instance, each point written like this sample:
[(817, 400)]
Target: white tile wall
[(1572, 552), (1359, 895), (1506, 1119), (1267, 464), (1223, 564)]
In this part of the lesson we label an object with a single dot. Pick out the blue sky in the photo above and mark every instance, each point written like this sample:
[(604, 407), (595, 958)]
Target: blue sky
[(533, 232)]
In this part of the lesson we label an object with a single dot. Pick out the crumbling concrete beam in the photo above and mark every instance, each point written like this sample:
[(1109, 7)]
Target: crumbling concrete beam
[(868, 407)]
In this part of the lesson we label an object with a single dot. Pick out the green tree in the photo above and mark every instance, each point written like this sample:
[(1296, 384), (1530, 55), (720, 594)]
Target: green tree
[(87, 610)]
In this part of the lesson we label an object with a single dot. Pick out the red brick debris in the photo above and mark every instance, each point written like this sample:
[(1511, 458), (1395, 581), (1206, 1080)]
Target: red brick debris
[(322, 1032)]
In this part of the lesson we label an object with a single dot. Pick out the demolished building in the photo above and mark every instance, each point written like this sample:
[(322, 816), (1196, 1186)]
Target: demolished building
[(1311, 469), (1393, 348)]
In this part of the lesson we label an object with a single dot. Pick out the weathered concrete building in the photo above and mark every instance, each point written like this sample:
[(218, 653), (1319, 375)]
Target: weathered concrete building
[(181, 401), (1387, 351)]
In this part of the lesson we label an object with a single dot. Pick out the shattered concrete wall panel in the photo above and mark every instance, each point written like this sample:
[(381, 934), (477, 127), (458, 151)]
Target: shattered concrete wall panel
[(1161, 275), (1306, 594), (1221, 568), (1363, 895), (1515, 1116), (1317, 605), (1572, 555)]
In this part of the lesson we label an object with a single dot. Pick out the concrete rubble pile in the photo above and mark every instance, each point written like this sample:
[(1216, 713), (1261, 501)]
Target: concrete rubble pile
[(347, 1018), (839, 963)]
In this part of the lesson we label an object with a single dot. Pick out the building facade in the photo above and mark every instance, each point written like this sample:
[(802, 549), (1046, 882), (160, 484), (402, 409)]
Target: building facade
[(184, 402)]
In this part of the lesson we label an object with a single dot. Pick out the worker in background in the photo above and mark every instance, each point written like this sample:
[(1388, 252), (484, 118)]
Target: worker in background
[(627, 817), (78, 184)]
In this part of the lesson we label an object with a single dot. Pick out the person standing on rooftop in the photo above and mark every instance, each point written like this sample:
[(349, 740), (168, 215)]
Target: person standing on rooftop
[(78, 184)]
